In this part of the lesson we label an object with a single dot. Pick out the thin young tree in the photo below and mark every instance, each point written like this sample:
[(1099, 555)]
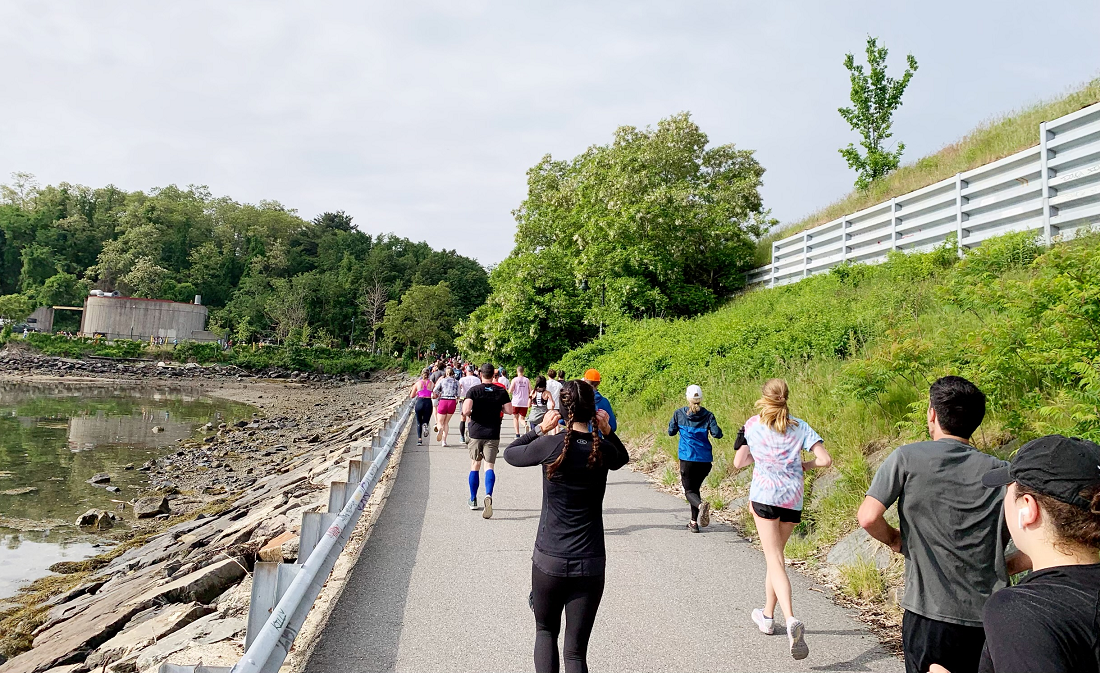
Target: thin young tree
[(875, 97), (372, 304)]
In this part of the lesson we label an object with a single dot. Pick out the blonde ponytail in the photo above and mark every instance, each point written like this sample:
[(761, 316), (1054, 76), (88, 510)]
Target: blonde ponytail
[(772, 406)]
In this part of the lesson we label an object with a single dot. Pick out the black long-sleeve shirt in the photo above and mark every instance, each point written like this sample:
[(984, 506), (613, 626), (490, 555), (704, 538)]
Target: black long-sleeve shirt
[(570, 541)]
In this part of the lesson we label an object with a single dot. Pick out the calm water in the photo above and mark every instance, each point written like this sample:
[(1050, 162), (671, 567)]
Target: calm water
[(54, 437)]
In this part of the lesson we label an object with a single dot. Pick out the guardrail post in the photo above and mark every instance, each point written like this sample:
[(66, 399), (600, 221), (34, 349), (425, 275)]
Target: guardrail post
[(894, 223), (1044, 178), (843, 239), (958, 214), (772, 283), (805, 255)]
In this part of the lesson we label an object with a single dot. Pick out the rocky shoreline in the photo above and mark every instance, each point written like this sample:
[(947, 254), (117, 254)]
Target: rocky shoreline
[(178, 588)]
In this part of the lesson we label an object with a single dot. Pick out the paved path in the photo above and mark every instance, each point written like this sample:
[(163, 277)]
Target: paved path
[(438, 588)]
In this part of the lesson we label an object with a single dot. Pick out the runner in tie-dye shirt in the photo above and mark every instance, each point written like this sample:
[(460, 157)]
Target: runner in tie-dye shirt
[(775, 441)]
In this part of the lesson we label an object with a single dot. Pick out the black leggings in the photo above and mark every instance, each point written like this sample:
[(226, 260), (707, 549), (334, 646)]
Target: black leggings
[(423, 413), (580, 598), (692, 476)]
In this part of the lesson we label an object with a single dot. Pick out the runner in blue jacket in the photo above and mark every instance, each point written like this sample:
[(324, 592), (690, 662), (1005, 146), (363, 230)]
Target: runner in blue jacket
[(695, 426)]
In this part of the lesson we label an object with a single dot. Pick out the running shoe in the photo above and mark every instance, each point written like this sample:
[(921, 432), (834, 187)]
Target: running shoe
[(488, 513), (472, 504), (796, 633), (693, 527), (704, 514), (444, 442), (767, 626), (419, 442)]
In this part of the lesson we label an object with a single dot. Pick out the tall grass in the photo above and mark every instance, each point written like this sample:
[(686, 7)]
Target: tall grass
[(990, 141)]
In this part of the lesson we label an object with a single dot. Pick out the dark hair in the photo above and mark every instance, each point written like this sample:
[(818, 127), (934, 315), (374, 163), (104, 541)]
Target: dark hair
[(487, 370), (540, 382), (1072, 524), (959, 405), (551, 373), (578, 403)]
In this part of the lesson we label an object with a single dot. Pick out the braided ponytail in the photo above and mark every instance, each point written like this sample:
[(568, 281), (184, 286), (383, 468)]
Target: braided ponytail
[(568, 405), (578, 406)]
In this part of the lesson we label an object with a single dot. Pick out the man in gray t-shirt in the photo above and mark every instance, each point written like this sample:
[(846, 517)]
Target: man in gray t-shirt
[(952, 533)]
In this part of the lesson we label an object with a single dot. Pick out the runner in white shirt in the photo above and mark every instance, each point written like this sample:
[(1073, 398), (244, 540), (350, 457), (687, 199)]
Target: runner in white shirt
[(520, 390), (553, 386), (464, 385)]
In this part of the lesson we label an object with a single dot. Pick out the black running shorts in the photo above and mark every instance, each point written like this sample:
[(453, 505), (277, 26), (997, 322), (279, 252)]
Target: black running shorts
[(772, 512)]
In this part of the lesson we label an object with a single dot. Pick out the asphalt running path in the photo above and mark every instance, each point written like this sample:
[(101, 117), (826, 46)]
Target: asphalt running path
[(439, 588)]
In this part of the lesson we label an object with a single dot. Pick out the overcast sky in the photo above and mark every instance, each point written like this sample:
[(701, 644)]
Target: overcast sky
[(421, 118)]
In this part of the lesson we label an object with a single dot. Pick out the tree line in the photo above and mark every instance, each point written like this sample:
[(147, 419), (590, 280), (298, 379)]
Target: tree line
[(264, 271)]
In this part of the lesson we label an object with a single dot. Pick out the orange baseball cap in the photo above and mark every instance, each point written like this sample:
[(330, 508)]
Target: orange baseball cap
[(592, 375)]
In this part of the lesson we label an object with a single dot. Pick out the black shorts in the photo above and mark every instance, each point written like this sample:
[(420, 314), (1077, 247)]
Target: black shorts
[(772, 512), (928, 641)]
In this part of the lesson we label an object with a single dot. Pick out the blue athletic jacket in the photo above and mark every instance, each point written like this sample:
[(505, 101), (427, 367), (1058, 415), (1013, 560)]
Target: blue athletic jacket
[(602, 403), (694, 432)]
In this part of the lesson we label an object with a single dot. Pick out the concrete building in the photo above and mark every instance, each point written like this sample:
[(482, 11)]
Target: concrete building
[(142, 319), (41, 320)]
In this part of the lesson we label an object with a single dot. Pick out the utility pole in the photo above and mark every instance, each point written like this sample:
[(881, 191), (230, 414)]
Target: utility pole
[(351, 338)]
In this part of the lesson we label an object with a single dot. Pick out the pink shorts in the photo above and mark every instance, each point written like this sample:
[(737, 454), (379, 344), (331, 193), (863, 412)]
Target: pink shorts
[(446, 407)]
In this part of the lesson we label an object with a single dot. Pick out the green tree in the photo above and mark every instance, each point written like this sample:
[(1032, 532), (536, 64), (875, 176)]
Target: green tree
[(656, 223), (15, 307), (874, 97), (424, 317)]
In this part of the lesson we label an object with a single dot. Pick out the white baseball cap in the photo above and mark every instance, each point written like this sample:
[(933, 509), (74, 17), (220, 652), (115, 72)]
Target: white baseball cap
[(694, 392)]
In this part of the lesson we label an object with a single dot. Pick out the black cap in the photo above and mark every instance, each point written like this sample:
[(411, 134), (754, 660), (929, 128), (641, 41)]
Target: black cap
[(1058, 466)]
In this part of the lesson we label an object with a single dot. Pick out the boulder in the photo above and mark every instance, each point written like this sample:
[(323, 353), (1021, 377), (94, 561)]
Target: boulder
[(202, 585), (103, 521), (100, 478), (204, 631), (146, 629), (151, 506), (273, 550), (858, 546), (88, 518)]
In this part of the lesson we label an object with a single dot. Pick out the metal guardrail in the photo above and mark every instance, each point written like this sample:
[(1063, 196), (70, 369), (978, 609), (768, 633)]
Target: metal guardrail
[(1052, 189), (294, 587)]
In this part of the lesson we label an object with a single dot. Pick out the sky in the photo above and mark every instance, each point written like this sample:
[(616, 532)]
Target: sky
[(422, 118)]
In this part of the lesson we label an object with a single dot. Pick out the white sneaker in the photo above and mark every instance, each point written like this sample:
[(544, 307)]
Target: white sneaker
[(796, 633), (444, 442), (767, 626)]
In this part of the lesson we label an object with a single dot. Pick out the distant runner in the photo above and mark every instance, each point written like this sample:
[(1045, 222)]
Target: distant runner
[(464, 385), (776, 440), (520, 389), (593, 378), (695, 425), (541, 402), (553, 386), (484, 404), (422, 391), (446, 390)]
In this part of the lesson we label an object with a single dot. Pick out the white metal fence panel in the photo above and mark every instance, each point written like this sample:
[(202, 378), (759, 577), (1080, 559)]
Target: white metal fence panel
[(1052, 189)]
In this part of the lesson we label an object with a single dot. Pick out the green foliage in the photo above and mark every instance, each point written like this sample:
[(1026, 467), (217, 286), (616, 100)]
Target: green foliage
[(422, 320), (861, 345), (65, 347), (263, 270), (653, 224), (15, 307), (875, 97), (863, 580)]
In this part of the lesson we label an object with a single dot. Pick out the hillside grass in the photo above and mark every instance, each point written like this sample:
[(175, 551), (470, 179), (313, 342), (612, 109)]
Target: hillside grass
[(859, 348), (990, 141)]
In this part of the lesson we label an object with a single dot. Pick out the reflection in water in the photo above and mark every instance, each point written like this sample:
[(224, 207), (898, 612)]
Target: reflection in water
[(55, 436)]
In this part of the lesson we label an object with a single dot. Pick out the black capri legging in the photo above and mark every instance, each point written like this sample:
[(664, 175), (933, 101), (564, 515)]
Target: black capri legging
[(692, 476), (423, 413), (580, 598)]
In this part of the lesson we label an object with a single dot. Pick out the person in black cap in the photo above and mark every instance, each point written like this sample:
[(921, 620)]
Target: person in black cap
[(1050, 621)]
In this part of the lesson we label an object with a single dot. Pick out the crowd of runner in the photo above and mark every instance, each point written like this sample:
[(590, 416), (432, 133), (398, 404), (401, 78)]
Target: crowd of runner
[(968, 522)]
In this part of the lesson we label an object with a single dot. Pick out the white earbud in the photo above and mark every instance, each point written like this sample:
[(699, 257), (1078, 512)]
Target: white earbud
[(1024, 511)]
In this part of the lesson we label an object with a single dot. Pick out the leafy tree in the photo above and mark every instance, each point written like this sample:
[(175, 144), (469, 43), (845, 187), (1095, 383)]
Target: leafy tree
[(874, 97), (145, 278), (424, 317), (286, 307), (653, 224), (15, 307)]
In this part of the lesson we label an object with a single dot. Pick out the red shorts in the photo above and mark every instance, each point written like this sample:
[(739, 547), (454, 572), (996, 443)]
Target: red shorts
[(446, 407), (519, 411)]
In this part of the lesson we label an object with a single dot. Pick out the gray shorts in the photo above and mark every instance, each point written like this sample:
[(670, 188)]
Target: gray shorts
[(483, 449)]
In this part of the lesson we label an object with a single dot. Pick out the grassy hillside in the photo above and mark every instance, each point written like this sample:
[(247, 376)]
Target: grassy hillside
[(859, 347), (990, 141)]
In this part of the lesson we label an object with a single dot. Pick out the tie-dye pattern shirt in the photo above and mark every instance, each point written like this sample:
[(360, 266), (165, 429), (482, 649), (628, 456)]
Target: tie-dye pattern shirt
[(777, 478)]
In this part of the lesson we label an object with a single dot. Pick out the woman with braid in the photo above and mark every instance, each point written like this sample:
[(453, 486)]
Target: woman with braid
[(567, 572)]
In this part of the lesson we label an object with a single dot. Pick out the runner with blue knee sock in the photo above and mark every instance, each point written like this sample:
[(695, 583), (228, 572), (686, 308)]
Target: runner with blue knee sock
[(484, 405)]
